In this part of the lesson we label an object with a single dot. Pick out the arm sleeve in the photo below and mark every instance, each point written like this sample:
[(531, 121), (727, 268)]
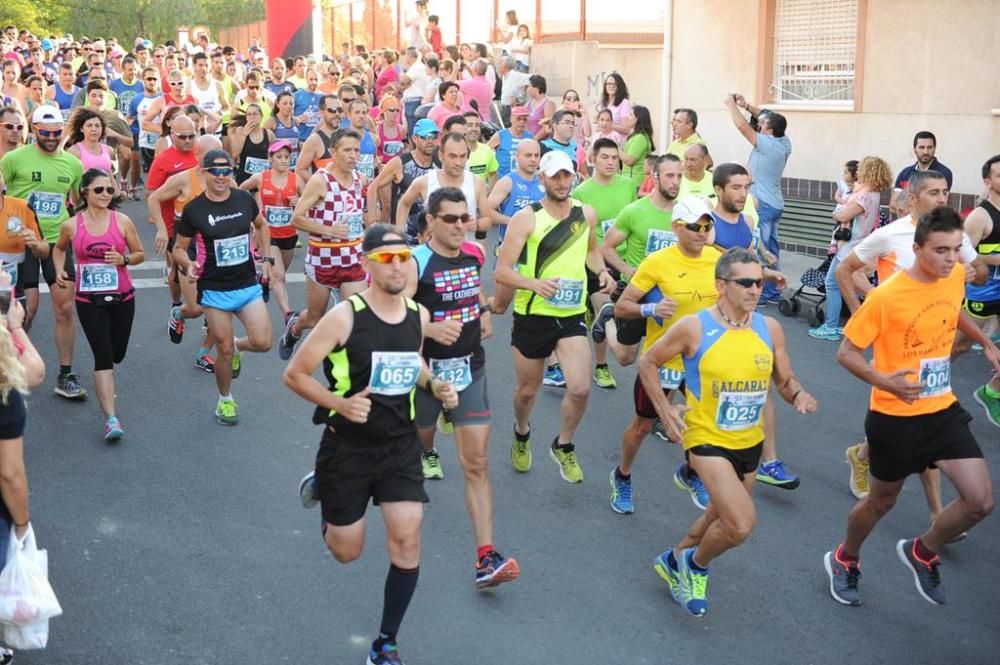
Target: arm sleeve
[(968, 253)]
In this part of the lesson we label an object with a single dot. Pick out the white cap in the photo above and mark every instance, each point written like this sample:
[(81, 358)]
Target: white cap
[(47, 115), (691, 209), (555, 161)]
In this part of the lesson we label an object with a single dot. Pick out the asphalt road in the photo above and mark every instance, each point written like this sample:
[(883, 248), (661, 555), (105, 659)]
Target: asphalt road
[(186, 542)]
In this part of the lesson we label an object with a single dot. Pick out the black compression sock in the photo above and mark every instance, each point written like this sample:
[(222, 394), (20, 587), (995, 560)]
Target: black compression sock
[(399, 586)]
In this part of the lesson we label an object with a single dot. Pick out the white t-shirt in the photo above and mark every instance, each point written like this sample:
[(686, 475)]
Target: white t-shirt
[(512, 83), (419, 81), (890, 248)]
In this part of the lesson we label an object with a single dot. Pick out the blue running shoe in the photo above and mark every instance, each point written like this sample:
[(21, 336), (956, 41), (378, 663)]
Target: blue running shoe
[(387, 655), (670, 575), (774, 473), (693, 485), (554, 377), (113, 430), (691, 585), (621, 494)]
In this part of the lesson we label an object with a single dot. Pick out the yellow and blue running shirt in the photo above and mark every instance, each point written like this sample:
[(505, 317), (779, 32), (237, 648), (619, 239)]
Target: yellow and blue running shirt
[(727, 384)]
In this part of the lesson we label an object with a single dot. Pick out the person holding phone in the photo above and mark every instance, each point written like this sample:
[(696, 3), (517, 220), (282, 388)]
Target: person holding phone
[(104, 243)]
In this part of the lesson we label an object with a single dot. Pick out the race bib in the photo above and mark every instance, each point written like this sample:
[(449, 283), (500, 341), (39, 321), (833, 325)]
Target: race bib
[(394, 372), (658, 239), (65, 114), (355, 224), (47, 204), (279, 216), (740, 411), (11, 269), (392, 148), (935, 374), (366, 164), (671, 379), (456, 371), (232, 251), (569, 295), (256, 165), (148, 140), (605, 225), (98, 277)]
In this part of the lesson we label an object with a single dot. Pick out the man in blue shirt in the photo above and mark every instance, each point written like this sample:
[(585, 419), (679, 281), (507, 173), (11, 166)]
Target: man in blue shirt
[(771, 149), (307, 105), (924, 147)]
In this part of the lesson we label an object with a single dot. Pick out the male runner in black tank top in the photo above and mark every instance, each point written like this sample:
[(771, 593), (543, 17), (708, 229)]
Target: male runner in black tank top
[(315, 151), (369, 448), (400, 172)]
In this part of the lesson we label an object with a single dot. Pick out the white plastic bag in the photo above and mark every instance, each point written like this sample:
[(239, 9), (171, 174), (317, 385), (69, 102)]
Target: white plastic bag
[(32, 636), (26, 597)]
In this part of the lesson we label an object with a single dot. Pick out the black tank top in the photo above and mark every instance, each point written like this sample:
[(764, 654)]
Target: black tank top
[(253, 151), (449, 288), (994, 237), (389, 349), (411, 171)]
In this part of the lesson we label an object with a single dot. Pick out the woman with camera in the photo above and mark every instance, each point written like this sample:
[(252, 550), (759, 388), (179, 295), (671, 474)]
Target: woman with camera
[(104, 244), (856, 218)]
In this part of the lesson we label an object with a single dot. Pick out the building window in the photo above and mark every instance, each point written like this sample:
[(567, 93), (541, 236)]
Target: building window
[(815, 52)]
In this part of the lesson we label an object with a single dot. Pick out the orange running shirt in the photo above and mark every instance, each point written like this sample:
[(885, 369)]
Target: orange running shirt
[(911, 325), (15, 215)]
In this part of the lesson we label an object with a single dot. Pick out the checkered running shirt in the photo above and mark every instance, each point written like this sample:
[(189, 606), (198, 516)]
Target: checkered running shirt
[(338, 206)]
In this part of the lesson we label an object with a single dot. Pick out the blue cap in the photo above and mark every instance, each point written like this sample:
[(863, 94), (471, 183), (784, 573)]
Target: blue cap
[(47, 45), (425, 127)]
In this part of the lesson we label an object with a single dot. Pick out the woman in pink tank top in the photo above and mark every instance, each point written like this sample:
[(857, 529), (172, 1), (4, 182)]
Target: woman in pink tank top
[(104, 243), (540, 107), (87, 135)]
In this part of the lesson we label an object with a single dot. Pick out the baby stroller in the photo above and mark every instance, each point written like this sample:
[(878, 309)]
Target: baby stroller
[(812, 291)]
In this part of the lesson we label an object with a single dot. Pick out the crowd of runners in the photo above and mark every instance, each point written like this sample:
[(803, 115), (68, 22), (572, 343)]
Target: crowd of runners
[(385, 172)]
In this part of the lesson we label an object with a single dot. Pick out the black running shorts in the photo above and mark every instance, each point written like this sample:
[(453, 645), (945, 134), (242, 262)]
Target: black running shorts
[(745, 460), (536, 336)]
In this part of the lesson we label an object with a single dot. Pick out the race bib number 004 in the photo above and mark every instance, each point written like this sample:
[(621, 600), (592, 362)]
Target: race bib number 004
[(740, 411), (98, 278), (935, 374), (456, 371), (394, 372), (569, 294)]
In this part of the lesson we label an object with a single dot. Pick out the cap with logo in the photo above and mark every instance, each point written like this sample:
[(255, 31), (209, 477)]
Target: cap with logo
[(555, 161), (691, 210), (425, 127)]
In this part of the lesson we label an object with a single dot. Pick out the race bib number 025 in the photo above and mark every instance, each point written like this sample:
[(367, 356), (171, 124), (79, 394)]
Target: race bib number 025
[(739, 411)]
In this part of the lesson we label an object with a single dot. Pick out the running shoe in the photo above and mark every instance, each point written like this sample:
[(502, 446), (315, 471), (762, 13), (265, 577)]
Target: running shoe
[(225, 412), (175, 325), (692, 585), (827, 332), (661, 431), (308, 493), (520, 454), (621, 494), (669, 574), (604, 378), (289, 314), (113, 430), (287, 341), (926, 575), (569, 468), (991, 405), (494, 569), (6, 656), (205, 364), (604, 314), (431, 463), (859, 471), (237, 363), (554, 376), (844, 578), (693, 485), (68, 386), (387, 655), (774, 473), (445, 426)]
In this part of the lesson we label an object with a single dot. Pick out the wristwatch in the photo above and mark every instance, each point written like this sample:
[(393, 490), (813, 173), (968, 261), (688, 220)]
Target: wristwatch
[(269, 259), (125, 260)]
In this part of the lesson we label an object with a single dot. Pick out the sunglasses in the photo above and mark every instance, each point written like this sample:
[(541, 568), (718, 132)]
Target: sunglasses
[(746, 282), (50, 133), (392, 110), (185, 137), (152, 78), (336, 109), (253, 87), (176, 83), (433, 136), (9, 126), (103, 190), (704, 227), (454, 219), (385, 258), (220, 171)]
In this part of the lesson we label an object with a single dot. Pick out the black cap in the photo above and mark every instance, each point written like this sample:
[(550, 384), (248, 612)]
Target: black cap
[(381, 235), (216, 157)]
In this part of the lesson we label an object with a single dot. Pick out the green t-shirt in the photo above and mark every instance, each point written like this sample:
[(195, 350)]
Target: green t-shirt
[(647, 229), (607, 201), (44, 181), (483, 161), (637, 146)]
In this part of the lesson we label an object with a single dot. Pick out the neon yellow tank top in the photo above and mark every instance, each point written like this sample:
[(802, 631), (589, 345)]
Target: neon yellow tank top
[(727, 384), (556, 249)]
